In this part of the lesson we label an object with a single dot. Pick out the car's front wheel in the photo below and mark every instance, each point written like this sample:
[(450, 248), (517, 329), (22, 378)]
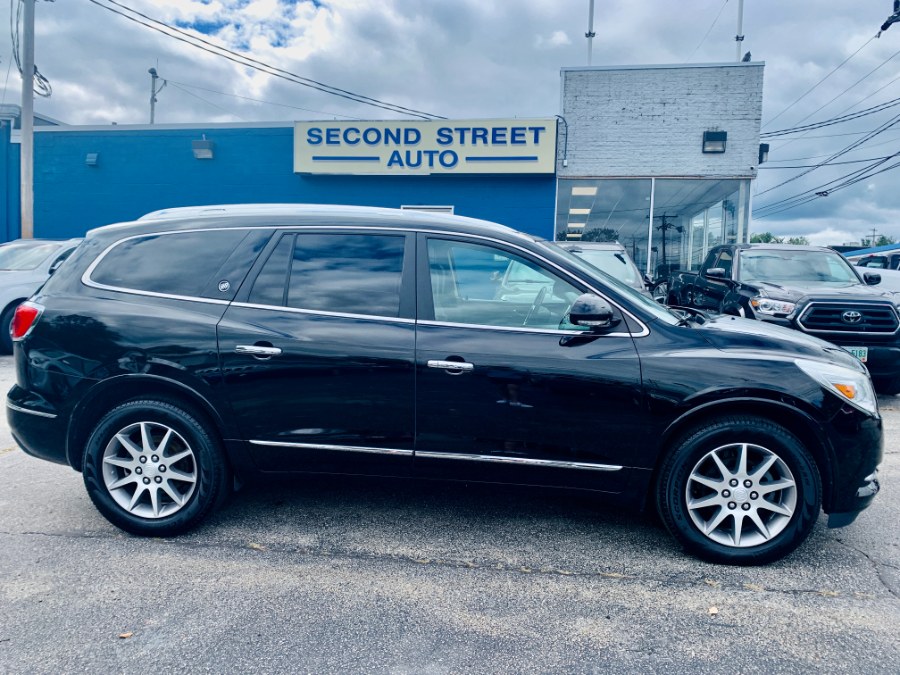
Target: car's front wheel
[(154, 469), (741, 490)]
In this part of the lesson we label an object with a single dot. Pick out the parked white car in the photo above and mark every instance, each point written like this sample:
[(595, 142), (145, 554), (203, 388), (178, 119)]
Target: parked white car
[(25, 264)]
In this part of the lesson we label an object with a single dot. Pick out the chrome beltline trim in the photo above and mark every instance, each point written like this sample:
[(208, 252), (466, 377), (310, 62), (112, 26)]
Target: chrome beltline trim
[(13, 406), (521, 329), (339, 448), (316, 312), (87, 281), (553, 463)]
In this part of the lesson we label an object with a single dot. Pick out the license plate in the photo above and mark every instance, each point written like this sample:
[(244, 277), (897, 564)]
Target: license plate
[(862, 353)]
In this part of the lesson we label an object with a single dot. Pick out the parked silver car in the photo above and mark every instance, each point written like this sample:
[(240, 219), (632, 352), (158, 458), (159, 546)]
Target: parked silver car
[(613, 259), (25, 264)]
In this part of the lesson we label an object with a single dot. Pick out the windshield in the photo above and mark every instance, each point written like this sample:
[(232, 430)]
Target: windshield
[(613, 263), (638, 298), (25, 256), (785, 267)]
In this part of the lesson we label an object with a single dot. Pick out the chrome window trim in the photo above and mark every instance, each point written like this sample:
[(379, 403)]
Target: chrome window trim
[(338, 448), (318, 312), (870, 303), (13, 406), (523, 461), (517, 329), (87, 281)]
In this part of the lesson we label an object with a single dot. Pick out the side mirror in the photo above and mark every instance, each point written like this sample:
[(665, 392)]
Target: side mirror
[(715, 273), (871, 278), (592, 312)]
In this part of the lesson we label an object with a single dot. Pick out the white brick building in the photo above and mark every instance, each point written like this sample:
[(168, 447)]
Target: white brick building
[(636, 134)]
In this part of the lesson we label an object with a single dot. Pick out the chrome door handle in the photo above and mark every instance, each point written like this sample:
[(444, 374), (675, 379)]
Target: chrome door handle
[(258, 350), (461, 366)]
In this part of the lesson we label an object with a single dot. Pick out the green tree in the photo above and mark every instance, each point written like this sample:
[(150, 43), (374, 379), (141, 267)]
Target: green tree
[(765, 238), (600, 234), (884, 240), (798, 241)]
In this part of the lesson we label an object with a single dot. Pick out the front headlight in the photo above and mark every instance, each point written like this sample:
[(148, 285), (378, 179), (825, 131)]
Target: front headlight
[(847, 384), (769, 306)]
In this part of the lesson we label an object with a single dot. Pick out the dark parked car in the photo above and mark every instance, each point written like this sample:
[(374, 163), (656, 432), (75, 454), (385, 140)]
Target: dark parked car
[(171, 354), (611, 258), (808, 288)]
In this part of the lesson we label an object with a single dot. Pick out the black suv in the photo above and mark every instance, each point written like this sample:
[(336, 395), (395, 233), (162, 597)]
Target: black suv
[(171, 354)]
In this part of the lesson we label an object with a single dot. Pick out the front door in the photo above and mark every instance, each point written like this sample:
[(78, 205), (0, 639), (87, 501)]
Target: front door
[(317, 353), (507, 389)]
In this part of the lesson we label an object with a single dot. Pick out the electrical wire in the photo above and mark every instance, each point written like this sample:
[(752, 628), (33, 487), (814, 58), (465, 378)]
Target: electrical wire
[(197, 96), (259, 100), (807, 166), (815, 86), (708, 30), (261, 66), (835, 120)]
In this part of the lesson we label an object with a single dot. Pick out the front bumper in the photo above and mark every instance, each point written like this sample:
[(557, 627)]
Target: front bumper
[(866, 491), (37, 427), (857, 450)]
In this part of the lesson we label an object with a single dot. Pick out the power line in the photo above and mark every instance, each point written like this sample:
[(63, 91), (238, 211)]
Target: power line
[(259, 100), (807, 166), (801, 159), (835, 120), (708, 30), (811, 89), (197, 96), (261, 66), (884, 127)]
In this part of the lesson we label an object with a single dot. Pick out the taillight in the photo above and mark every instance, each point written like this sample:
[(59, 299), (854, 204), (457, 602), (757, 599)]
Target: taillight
[(25, 318)]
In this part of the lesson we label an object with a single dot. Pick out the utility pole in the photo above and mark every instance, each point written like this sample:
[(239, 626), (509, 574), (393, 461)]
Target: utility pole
[(154, 91), (27, 121), (739, 37), (590, 32)]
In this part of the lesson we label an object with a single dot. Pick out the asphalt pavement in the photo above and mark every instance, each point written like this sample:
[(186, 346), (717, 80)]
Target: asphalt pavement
[(352, 575)]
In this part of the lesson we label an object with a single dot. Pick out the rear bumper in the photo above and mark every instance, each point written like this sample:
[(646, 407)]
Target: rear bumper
[(38, 428)]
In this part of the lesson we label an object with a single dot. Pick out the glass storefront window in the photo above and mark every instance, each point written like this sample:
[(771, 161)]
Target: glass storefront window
[(689, 217)]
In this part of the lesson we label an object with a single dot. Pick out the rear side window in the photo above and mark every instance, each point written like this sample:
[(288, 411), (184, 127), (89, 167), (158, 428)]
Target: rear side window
[(183, 263), (346, 273)]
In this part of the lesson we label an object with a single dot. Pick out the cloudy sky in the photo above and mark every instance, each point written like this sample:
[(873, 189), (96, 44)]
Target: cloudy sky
[(490, 58)]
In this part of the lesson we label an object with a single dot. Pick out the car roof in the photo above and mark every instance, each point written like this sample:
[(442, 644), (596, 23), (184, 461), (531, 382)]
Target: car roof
[(785, 247), (74, 240), (592, 245), (287, 215)]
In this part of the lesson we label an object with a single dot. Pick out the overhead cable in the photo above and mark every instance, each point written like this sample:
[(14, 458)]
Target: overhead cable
[(261, 66)]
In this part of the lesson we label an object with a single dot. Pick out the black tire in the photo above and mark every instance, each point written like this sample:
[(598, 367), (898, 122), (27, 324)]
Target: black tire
[(887, 386), (206, 464), (6, 343), (691, 459)]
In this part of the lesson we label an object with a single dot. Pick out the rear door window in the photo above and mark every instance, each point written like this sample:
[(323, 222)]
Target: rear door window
[(181, 264), (348, 273)]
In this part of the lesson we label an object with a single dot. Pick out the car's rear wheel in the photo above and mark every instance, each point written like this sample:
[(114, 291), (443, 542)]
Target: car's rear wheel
[(741, 490), (153, 468)]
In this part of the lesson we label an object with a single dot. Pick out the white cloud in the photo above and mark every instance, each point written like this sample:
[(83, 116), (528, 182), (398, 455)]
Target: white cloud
[(557, 38)]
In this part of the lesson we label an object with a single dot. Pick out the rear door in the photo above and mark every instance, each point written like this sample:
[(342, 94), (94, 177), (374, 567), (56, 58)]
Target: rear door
[(317, 352)]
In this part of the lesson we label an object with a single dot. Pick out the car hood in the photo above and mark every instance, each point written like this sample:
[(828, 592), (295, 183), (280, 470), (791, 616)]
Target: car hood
[(819, 290), (734, 334)]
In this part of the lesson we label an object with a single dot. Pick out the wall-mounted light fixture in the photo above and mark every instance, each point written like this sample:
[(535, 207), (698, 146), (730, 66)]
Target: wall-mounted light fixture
[(763, 153), (92, 158), (714, 141), (202, 149)]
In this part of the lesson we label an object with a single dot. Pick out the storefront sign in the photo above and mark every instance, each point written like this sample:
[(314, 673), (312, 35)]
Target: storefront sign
[(443, 146)]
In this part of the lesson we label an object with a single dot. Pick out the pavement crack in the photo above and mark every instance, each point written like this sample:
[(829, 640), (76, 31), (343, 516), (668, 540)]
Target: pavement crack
[(877, 565)]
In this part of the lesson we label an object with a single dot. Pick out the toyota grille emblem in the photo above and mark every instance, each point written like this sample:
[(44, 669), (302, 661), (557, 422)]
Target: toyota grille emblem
[(851, 317)]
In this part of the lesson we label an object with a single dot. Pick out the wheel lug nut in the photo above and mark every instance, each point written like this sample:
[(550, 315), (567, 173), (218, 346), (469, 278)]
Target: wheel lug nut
[(146, 480), (748, 483), (139, 471), (155, 458), (754, 495), (731, 505), (733, 482), (746, 506), (162, 467), (158, 479), (726, 493), (143, 459)]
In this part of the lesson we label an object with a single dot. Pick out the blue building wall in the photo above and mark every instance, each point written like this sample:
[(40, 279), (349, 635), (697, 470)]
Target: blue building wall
[(142, 170), (9, 184)]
